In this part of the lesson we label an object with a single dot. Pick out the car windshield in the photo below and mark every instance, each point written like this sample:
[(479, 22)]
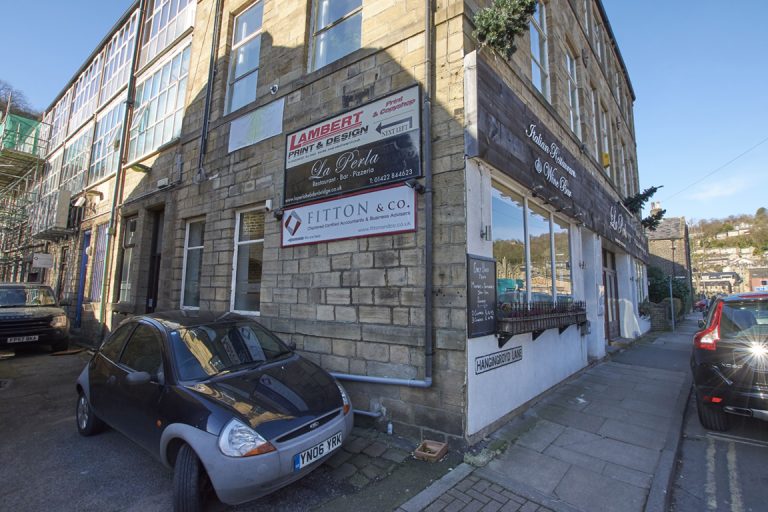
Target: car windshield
[(19, 296), (208, 350), (744, 319)]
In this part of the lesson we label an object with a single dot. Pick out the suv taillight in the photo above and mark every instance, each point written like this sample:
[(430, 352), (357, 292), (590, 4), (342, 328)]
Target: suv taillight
[(708, 338)]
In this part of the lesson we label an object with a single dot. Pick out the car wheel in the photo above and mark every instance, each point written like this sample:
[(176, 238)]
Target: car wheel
[(191, 485), (711, 417), (87, 422)]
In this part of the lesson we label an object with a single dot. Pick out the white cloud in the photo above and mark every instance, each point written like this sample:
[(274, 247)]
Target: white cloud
[(715, 189)]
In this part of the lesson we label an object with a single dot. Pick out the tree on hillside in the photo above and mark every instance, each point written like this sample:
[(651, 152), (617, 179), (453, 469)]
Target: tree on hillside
[(19, 103)]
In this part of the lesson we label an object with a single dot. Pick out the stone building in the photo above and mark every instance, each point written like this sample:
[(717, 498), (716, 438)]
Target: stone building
[(670, 249), (440, 227)]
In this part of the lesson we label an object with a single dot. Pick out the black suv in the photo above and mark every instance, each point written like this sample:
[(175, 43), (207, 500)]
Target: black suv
[(730, 360), (29, 315)]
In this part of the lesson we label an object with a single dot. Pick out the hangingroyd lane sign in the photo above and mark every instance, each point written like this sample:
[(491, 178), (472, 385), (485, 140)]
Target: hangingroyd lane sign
[(376, 144)]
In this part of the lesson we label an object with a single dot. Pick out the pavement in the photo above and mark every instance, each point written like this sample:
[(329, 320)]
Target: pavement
[(604, 440)]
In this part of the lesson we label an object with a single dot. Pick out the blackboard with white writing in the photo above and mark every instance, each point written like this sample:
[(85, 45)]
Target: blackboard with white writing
[(481, 296)]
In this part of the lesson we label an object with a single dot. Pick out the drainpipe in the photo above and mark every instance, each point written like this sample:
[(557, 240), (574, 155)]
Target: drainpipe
[(120, 174), (200, 175), (428, 244)]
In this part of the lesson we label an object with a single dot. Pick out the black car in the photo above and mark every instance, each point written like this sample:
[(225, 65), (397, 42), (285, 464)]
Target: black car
[(730, 360), (218, 398), (30, 315)]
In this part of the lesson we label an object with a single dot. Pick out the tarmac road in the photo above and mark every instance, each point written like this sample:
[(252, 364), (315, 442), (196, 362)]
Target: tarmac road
[(724, 471)]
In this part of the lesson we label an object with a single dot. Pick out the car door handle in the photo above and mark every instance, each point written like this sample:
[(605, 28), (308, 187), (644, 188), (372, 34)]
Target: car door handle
[(111, 380)]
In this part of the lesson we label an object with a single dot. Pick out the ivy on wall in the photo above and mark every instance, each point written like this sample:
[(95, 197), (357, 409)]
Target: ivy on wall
[(497, 26)]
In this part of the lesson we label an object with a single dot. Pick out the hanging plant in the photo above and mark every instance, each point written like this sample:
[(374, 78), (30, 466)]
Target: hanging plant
[(635, 205), (498, 26)]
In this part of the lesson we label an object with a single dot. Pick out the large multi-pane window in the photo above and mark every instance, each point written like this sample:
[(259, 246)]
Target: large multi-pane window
[(86, 91), (337, 28), (623, 163), (574, 111), (249, 250), (509, 238), (605, 130), (75, 163), (597, 40), (59, 119), (128, 243), (117, 59), (159, 107), (194, 239), (532, 250), (97, 278), (539, 62), (166, 20), (595, 121), (244, 68), (640, 279), (106, 143)]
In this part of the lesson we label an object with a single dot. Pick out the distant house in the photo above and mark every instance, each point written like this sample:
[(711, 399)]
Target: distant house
[(670, 249)]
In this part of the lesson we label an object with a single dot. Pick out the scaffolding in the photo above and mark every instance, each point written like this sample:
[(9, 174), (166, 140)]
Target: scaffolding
[(23, 147)]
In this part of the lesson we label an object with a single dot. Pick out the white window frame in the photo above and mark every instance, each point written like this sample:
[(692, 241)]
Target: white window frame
[(76, 161), (143, 105), (188, 248), (595, 123), (237, 243), (85, 94), (541, 61), (572, 83), (162, 27), (317, 32), (117, 59), (605, 132), (527, 239), (106, 143), (232, 80)]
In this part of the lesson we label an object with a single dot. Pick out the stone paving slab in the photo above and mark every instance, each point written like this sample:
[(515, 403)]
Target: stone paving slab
[(632, 434), (529, 467), (591, 491)]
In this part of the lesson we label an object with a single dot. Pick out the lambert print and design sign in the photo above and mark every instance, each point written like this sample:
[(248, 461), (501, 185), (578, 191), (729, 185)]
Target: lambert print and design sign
[(372, 145), (384, 211)]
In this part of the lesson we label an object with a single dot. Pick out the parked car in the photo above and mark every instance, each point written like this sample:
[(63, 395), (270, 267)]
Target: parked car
[(30, 315), (219, 399), (729, 360)]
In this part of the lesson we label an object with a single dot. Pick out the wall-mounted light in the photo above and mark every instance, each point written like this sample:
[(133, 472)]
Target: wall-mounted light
[(140, 168), (95, 193), (535, 190), (278, 214), (415, 185), (79, 201)]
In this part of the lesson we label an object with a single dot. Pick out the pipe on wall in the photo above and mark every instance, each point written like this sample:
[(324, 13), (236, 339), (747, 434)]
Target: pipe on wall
[(429, 346)]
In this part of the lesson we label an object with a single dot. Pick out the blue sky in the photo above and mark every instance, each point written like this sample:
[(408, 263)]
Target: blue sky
[(698, 68)]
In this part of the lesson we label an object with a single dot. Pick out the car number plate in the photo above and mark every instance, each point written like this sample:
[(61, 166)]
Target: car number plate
[(21, 339), (318, 451)]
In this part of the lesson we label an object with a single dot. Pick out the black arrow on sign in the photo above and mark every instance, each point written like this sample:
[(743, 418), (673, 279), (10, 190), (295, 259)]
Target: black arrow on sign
[(383, 127)]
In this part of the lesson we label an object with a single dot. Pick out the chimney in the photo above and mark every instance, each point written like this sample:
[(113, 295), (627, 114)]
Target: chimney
[(655, 207)]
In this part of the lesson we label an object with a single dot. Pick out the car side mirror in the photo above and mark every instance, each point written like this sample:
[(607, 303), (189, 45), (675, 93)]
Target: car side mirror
[(702, 324), (138, 378)]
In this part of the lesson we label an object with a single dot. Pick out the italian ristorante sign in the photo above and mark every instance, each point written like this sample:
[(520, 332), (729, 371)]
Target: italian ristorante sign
[(375, 144)]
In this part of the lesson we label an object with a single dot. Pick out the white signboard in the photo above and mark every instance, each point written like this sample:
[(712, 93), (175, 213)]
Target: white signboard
[(370, 123), (42, 260), (384, 211), (258, 125)]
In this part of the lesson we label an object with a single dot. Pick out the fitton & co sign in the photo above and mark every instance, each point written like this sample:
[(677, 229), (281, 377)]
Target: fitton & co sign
[(373, 145), (388, 210)]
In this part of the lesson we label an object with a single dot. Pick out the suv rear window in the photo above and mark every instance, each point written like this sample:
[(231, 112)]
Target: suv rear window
[(747, 318)]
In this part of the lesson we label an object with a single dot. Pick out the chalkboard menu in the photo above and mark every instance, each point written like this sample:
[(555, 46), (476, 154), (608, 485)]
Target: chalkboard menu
[(481, 296)]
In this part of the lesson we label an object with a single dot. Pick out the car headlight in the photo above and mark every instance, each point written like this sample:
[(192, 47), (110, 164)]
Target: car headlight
[(344, 398), (239, 440), (59, 321)]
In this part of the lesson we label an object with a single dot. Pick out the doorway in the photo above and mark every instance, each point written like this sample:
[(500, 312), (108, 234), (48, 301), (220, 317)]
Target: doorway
[(156, 247), (81, 282), (610, 284)]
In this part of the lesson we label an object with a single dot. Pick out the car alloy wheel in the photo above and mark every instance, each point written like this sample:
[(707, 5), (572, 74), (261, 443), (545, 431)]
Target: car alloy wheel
[(87, 422)]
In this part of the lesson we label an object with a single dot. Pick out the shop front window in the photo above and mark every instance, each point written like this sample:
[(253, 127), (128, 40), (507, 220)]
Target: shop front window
[(249, 250), (509, 247)]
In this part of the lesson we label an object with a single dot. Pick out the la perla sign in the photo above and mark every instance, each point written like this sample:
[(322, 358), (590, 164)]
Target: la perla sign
[(617, 221)]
